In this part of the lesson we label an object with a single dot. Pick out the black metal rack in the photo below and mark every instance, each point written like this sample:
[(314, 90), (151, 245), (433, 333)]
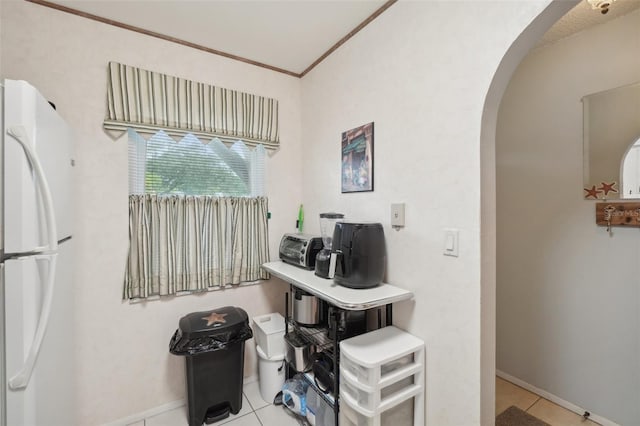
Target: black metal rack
[(319, 337), (343, 300)]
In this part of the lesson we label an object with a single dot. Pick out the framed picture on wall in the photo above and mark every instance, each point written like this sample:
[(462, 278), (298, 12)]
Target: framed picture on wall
[(357, 159)]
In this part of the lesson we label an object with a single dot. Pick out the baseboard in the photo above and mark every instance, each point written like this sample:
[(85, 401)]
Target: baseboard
[(125, 421), (556, 400), (134, 418)]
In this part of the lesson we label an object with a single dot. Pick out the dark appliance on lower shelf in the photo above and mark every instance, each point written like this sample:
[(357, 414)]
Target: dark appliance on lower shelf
[(360, 254), (323, 372), (348, 323)]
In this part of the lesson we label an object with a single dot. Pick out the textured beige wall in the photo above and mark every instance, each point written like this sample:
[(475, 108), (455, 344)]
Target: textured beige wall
[(124, 366), (421, 72)]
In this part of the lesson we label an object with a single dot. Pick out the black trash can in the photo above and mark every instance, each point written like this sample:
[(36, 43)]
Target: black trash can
[(213, 345)]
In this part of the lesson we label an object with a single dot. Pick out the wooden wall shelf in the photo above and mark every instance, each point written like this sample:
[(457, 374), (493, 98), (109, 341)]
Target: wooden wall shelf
[(618, 213)]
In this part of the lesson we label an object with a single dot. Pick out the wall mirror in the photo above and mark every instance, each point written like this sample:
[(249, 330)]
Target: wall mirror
[(612, 143)]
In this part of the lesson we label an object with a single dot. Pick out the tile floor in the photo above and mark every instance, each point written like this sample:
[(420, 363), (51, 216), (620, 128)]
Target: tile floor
[(508, 394), (255, 412)]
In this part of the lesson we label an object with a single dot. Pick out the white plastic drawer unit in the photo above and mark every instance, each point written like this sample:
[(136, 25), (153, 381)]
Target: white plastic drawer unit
[(401, 414), (379, 358), (367, 378), (378, 400)]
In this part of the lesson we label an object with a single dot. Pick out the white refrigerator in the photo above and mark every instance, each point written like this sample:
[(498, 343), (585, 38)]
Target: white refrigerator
[(37, 324)]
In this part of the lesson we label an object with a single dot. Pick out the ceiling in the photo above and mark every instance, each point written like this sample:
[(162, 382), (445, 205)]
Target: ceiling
[(285, 35), (583, 16), (289, 35)]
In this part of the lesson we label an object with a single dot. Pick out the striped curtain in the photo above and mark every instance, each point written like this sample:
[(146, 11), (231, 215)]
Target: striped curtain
[(190, 244), (149, 101)]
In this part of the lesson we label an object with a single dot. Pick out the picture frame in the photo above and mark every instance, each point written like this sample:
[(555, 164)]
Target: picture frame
[(357, 159)]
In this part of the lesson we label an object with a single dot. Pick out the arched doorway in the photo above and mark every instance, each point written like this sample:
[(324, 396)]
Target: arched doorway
[(509, 63)]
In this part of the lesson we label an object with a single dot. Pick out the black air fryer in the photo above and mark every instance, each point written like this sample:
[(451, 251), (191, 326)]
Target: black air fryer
[(360, 254)]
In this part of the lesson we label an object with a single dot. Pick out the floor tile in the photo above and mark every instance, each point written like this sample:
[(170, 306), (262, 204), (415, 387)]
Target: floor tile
[(175, 417), (508, 394), (248, 420), (276, 415), (179, 416), (252, 392), (246, 409), (139, 423), (555, 415)]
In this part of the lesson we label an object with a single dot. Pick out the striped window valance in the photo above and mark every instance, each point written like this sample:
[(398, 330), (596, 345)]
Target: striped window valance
[(149, 101)]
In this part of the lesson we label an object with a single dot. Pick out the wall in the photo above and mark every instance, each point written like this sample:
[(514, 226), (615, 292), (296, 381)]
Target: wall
[(567, 292), (421, 72), (124, 366)]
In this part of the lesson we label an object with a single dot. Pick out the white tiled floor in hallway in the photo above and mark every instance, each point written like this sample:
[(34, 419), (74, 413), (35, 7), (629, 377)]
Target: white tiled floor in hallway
[(255, 412)]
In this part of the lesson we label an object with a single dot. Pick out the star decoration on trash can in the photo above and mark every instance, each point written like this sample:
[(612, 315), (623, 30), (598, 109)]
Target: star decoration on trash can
[(215, 318)]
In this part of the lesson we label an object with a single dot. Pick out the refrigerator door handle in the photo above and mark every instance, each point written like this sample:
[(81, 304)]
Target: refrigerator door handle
[(20, 380), (19, 133)]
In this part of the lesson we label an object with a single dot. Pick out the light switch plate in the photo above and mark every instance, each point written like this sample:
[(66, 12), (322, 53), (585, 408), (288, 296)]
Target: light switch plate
[(450, 242), (397, 215)]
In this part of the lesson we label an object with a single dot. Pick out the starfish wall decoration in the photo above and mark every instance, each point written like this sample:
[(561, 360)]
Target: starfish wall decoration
[(592, 193), (608, 187)]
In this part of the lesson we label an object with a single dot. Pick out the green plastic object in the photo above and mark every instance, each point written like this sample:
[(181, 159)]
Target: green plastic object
[(300, 218)]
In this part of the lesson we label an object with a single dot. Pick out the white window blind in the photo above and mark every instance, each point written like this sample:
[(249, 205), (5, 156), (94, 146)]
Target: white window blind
[(161, 165)]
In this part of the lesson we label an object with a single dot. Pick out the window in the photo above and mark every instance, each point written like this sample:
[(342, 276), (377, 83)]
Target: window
[(197, 215), (190, 167)]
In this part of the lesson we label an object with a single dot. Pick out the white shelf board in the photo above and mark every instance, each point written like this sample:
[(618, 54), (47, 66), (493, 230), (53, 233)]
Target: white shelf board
[(343, 297)]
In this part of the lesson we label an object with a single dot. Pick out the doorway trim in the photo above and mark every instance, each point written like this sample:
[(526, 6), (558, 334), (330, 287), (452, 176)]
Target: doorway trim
[(512, 58)]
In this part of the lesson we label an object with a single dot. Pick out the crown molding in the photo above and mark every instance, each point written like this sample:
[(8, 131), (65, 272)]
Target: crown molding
[(164, 37)]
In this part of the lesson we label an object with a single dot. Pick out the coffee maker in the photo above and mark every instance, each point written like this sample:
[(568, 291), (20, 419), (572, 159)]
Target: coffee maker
[(327, 225)]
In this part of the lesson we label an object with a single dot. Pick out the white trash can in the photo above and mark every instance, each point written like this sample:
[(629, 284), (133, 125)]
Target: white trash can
[(269, 334), (270, 375)]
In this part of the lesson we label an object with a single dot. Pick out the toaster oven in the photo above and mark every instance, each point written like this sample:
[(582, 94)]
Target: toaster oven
[(300, 249)]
